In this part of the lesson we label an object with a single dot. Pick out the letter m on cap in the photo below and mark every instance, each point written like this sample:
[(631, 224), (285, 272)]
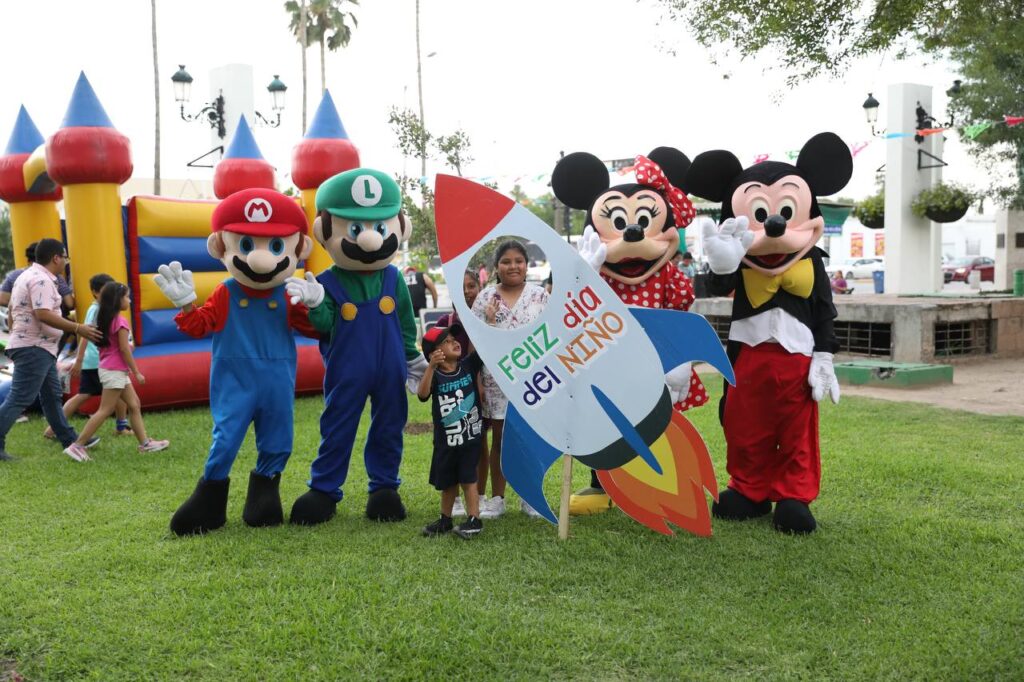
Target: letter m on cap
[(258, 210)]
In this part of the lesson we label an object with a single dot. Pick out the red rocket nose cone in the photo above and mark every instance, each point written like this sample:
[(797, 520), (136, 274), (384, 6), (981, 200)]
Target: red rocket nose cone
[(464, 212)]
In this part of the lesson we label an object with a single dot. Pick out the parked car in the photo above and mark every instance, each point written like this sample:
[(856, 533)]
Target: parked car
[(959, 269), (860, 268)]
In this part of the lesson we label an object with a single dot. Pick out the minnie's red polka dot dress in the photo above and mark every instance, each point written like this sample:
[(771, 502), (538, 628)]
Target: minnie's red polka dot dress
[(666, 288)]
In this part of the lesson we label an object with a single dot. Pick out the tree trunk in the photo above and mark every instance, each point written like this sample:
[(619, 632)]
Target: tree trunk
[(323, 69), (156, 107), (419, 83), (1018, 201), (305, 44)]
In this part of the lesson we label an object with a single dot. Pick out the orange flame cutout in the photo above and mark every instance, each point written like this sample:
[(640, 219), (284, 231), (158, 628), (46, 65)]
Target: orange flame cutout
[(675, 495)]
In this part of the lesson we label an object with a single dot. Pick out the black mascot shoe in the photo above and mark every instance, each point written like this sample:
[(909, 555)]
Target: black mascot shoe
[(734, 506), (793, 517), (385, 505), (263, 501), (204, 511), (312, 508)]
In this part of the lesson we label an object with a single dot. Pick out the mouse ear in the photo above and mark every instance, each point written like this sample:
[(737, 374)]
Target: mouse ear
[(578, 179), (673, 163), (826, 163), (711, 173)]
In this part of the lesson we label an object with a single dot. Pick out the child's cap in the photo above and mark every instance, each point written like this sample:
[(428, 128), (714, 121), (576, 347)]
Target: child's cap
[(435, 336)]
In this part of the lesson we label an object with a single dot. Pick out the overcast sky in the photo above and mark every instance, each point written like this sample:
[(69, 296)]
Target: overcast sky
[(524, 80)]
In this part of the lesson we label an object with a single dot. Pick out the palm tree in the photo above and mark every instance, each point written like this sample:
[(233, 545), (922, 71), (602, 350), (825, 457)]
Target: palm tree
[(156, 94), (299, 26), (327, 25)]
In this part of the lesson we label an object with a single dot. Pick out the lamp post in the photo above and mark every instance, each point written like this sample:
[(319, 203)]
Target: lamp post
[(213, 112)]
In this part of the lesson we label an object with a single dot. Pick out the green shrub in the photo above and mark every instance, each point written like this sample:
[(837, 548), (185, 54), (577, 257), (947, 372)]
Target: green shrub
[(872, 209), (942, 197)]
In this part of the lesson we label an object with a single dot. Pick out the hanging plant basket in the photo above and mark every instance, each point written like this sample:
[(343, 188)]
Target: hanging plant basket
[(945, 215), (875, 222)]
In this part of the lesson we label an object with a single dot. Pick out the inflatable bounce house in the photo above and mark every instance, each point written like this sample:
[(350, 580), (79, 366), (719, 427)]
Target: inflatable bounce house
[(85, 162)]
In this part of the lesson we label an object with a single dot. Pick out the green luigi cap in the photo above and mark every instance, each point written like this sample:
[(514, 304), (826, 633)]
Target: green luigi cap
[(360, 194)]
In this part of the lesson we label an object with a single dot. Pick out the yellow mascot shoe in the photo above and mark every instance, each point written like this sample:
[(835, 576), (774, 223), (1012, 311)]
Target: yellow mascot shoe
[(589, 501)]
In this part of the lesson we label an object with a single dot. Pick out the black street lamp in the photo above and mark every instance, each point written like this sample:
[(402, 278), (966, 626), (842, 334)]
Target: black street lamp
[(213, 112), (871, 113)]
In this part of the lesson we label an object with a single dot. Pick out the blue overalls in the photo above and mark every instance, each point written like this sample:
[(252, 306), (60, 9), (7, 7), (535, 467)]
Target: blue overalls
[(364, 357), (252, 380)]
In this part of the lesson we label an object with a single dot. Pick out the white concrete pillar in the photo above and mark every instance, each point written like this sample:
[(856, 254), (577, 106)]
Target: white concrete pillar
[(235, 81), (1009, 253), (912, 261)]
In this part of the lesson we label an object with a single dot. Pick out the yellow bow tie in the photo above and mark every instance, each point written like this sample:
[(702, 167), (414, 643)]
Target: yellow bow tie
[(798, 280)]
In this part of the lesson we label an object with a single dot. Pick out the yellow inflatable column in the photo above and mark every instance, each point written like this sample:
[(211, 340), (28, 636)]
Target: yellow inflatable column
[(90, 159), (26, 187)]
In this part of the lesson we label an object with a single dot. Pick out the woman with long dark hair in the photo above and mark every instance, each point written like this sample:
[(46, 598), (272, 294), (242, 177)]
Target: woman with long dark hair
[(116, 361)]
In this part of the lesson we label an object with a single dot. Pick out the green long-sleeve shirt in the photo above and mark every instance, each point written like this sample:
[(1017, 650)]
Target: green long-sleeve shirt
[(364, 286)]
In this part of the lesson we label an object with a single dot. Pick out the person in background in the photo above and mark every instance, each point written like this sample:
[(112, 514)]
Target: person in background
[(116, 361), (839, 284), (87, 366), (509, 304), (67, 295), (419, 284), (686, 266), (36, 329)]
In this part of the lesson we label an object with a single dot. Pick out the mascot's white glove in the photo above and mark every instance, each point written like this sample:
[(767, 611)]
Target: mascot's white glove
[(678, 381), (416, 367), (307, 291), (725, 246), (822, 378), (176, 284), (591, 248)]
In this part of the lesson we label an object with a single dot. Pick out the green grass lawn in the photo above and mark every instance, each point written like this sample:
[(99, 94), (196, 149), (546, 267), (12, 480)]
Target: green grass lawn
[(917, 571)]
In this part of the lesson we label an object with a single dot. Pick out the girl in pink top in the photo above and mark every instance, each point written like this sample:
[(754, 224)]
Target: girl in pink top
[(116, 363)]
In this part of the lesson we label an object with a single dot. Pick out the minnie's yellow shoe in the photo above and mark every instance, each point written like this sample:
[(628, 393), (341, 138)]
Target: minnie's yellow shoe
[(589, 501)]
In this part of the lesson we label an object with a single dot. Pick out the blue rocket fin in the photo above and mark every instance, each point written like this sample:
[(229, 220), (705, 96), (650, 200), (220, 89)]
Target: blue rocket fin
[(680, 337), (627, 429), (525, 458)]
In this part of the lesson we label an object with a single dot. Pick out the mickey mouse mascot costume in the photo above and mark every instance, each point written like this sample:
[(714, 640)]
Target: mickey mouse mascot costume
[(362, 307), (630, 238), (260, 236), (781, 340)]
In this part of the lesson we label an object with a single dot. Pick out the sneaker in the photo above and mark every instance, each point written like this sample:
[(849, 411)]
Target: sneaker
[(459, 508), (528, 510), (4, 457), (92, 441), (468, 528), (22, 419), (440, 527), (48, 433), (152, 445), (123, 429), (494, 508), (77, 453)]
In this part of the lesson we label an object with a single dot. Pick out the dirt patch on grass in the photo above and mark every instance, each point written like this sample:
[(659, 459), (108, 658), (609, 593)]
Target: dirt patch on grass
[(412, 429), (8, 673)]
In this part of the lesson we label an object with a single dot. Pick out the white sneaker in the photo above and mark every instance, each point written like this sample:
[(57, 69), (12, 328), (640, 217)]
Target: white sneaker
[(458, 509), (529, 511), (494, 508)]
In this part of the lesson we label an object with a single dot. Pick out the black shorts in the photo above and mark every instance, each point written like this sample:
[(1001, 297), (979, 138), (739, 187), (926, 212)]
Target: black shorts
[(89, 382), (452, 466)]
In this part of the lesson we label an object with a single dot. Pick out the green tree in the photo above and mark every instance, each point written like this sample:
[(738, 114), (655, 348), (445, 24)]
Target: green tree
[(985, 38), (6, 244), (299, 26), (329, 26)]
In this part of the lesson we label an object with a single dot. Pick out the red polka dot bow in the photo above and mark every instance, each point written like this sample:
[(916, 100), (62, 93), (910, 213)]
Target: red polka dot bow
[(650, 174)]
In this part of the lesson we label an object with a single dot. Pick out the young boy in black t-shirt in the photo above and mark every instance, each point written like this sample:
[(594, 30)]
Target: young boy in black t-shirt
[(458, 427)]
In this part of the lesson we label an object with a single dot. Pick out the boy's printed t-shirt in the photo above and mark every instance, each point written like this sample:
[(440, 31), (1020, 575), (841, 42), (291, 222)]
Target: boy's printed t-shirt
[(91, 359), (456, 405)]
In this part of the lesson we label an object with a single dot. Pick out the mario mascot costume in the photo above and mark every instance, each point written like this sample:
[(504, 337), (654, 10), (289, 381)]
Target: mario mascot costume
[(781, 338), (630, 238), (260, 236), (361, 307)]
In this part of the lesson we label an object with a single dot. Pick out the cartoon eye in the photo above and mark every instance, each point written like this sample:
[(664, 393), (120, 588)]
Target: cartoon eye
[(381, 229), (644, 217), (618, 218), (759, 208), (246, 245), (787, 208), (277, 246), (354, 229)]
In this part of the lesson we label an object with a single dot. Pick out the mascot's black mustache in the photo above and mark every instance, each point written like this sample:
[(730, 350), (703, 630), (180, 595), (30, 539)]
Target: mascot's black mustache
[(386, 250)]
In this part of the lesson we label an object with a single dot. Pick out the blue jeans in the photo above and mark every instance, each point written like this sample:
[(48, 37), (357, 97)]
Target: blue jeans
[(35, 374)]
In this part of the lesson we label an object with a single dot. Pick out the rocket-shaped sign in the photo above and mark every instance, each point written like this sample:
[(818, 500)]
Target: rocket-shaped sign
[(587, 377)]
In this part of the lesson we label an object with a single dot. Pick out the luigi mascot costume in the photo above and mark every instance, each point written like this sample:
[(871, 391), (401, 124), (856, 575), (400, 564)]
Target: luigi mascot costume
[(362, 309), (260, 236)]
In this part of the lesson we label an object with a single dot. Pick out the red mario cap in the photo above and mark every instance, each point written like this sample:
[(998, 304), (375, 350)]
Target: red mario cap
[(259, 212)]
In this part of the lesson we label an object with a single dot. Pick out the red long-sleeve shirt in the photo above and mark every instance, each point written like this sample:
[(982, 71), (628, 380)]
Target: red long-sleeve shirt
[(212, 315)]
